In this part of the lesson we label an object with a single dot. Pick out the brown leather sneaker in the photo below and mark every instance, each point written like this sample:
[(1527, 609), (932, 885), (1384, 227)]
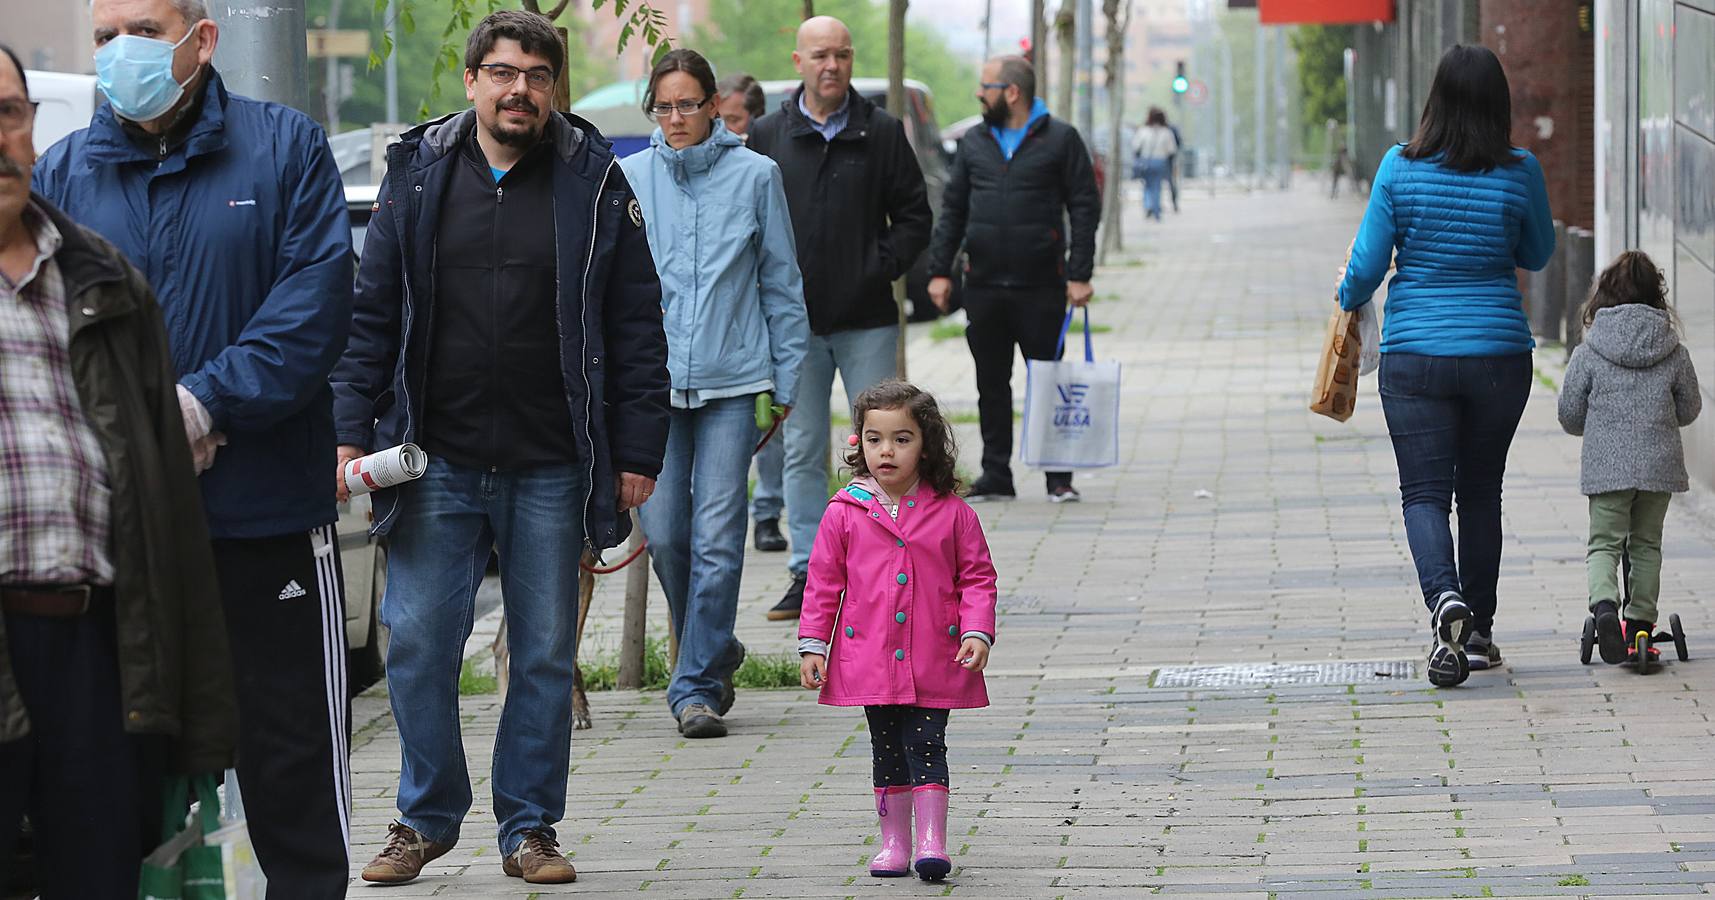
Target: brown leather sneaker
[(404, 856), (539, 861)]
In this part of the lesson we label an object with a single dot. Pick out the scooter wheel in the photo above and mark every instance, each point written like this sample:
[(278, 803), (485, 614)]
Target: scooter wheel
[(1588, 641), (1678, 632), (1641, 646)]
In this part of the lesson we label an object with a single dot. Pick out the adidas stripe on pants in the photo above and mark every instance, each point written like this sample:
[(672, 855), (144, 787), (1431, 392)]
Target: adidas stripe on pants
[(285, 616)]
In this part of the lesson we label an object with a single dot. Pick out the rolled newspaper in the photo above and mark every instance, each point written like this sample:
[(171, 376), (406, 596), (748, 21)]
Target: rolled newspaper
[(388, 468)]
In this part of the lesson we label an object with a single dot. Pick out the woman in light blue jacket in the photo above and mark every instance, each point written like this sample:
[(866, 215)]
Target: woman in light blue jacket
[(733, 303), (1459, 210)]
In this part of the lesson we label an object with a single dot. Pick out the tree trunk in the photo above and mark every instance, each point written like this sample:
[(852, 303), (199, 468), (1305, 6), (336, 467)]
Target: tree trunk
[(1066, 80), (896, 104), (1039, 44), (809, 9), (1113, 188)]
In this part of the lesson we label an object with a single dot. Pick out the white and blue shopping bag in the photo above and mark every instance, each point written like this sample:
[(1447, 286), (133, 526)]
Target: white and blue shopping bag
[(1071, 408)]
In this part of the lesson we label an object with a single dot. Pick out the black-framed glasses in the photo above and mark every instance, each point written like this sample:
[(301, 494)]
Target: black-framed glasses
[(17, 115), (539, 79), (683, 108), (993, 85)]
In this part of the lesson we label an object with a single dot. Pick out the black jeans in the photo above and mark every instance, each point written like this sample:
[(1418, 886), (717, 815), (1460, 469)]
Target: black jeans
[(909, 744), (1001, 319), (1452, 420), (81, 779)]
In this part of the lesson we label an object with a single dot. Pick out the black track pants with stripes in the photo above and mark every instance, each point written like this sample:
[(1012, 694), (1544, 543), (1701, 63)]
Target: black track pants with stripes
[(285, 616)]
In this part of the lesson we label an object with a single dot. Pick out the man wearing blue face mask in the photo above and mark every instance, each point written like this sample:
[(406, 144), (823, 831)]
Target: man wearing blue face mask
[(232, 209)]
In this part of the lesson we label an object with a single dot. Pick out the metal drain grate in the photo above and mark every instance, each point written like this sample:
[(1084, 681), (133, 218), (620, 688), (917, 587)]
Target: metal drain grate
[(1283, 674)]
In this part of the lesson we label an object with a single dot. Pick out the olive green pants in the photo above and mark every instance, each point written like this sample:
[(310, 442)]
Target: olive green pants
[(1627, 522)]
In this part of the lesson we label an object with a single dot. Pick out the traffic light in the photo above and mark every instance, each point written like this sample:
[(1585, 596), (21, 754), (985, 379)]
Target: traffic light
[(1181, 84)]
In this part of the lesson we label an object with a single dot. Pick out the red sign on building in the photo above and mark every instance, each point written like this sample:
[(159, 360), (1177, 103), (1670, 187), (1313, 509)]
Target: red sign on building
[(1324, 12)]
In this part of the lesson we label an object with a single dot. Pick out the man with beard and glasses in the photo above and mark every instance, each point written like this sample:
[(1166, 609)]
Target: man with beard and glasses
[(509, 321), (1016, 182), (232, 209)]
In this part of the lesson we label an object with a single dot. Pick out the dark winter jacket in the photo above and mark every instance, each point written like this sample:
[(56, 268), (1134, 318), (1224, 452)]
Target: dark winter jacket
[(175, 670), (1011, 215), (243, 234), (613, 351), (859, 208), (1628, 390)]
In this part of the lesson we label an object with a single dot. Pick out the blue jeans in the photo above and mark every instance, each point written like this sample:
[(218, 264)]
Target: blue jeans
[(695, 524), (437, 553), (1452, 420), (864, 358), (1155, 171), (769, 498)]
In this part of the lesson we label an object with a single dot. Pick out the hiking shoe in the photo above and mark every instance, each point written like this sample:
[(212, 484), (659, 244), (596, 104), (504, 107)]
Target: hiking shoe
[(729, 694), (1481, 651), (768, 537), (792, 604), (404, 857), (987, 490), (1448, 664), (1610, 634), (1064, 493), (538, 860), (698, 721)]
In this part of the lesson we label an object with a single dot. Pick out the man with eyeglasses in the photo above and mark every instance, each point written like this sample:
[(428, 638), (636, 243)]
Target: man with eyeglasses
[(113, 659), (233, 210), (1022, 202), (861, 215), (508, 321)]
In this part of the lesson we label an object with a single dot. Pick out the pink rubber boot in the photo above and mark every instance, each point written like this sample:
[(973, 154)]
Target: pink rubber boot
[(929, 802), (892, 857)]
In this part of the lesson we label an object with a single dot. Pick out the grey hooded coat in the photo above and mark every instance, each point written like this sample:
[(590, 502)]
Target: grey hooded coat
[(1628, 390)]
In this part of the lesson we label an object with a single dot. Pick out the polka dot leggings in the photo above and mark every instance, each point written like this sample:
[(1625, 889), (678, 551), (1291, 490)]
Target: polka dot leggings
[(909, 744)]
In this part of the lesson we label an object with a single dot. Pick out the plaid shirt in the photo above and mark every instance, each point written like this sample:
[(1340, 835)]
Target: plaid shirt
[(55, 500)]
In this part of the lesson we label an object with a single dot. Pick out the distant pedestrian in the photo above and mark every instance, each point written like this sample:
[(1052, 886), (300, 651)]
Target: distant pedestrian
[(1152, 150), (741, 102), (902, 565), (1337, 168), (1173, 165), (1018, 180), (1460, 209), (1628, 389), (508, 321), (232, 209), (733, 305), (860, 211), (114, 664)]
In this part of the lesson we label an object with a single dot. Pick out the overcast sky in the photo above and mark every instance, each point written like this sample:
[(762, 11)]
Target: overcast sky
[(962, 22)]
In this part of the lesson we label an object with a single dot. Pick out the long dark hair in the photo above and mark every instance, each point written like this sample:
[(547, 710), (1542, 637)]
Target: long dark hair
[(940, 452), (691, 63), (1631, 278), (1469, 116)]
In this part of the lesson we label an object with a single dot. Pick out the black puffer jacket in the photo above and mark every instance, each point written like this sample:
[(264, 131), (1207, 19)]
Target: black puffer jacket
[(859, 207), (1011, 215)]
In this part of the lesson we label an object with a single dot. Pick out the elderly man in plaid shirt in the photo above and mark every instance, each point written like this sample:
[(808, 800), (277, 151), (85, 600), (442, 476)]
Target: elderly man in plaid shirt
[(113, 655)]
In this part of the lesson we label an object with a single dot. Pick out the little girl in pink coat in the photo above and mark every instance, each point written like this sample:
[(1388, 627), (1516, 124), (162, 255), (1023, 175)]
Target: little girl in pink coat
[(899, 613)]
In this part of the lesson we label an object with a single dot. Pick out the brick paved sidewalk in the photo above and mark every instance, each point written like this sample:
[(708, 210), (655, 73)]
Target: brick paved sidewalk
[(1239, 529)]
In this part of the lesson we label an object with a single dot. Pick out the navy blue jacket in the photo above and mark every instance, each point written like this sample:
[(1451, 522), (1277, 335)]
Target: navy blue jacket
[(242, 233), (613, 351)]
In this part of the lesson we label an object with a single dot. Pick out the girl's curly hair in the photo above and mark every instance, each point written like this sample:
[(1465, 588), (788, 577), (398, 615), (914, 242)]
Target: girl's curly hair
[(940, 451), (1631, 278)]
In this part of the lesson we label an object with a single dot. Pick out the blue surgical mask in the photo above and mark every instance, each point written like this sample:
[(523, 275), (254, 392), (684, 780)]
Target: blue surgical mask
[(136, 74)]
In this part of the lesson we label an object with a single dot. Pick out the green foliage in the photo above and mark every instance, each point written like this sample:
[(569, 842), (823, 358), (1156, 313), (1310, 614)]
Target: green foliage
[(473, 681), (1321, 73), (775, 670), (757, 37)]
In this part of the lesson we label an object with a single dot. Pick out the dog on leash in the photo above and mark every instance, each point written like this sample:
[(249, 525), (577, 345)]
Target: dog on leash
[(503, 656)]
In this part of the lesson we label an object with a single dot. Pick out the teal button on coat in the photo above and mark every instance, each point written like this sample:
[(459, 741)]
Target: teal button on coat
[(731, 292)]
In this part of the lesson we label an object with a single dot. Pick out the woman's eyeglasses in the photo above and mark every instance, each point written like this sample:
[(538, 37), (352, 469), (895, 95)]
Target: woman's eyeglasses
[(683, 108)]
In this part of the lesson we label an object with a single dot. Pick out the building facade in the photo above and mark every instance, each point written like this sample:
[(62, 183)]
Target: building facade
[(1655, 143)]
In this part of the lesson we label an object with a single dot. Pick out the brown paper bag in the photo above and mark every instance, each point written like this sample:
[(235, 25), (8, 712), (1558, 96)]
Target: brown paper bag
[(1335, 391)]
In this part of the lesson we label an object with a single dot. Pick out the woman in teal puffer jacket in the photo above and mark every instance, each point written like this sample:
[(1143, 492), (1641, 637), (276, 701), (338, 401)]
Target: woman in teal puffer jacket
[(733, 303)]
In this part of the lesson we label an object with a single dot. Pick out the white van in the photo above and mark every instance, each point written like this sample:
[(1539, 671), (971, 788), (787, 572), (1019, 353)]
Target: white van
[(67, 103)]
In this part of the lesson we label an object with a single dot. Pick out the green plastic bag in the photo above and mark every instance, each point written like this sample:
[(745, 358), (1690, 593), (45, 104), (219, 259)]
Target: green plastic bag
[(186, 866)]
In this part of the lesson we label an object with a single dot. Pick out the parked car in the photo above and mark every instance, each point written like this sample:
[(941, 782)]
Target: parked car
[(65, 103)]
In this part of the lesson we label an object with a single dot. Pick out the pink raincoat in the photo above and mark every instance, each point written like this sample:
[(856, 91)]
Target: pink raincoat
[(903, 593)]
